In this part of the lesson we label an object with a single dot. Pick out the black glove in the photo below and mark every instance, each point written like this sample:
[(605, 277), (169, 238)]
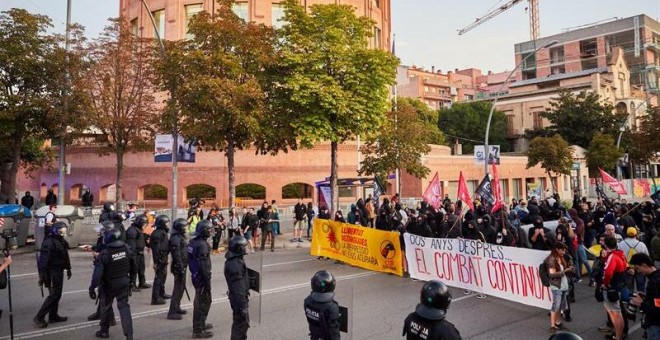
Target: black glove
[(92, 294), (46, 282), (68, 274)]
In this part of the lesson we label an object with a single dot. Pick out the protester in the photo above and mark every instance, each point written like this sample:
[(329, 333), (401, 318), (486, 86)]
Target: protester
[(558, 269), (635, 282), (615, 266), (648, 300)]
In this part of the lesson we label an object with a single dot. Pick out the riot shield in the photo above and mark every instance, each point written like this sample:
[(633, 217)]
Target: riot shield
[(344, 297), (255, 263)]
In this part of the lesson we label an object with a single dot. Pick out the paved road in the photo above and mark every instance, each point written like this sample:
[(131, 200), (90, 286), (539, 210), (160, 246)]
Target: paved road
[(378, 302)]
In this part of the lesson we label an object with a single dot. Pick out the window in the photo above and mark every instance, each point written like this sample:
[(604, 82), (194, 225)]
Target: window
[(557, 55), (509, 123), (277, 16), (537, 120), (517, 188), (134, 27), (377, 3), (241, 10), (377, 37), (588, 48), (588, 64), (159, 18), (191, 10), (557, 69)]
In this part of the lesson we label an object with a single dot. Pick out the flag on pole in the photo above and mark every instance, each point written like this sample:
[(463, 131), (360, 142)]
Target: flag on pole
[(433, 193), (612, 182), (485, 191), (497, 190), (378, 190), (463, 192)]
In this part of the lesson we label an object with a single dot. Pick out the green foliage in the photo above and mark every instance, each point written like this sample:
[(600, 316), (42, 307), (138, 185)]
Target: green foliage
[(402, 141), (602, 153), (553, 153), (467, 123), (251, 190), (296, 190), (641, 145), (155, 192), (578, 117), (200, 191)]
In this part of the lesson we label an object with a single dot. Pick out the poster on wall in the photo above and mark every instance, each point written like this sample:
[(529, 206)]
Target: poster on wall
[(163, 149)]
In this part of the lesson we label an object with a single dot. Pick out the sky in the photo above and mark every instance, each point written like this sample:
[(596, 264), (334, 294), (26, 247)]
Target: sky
[(426, 30)]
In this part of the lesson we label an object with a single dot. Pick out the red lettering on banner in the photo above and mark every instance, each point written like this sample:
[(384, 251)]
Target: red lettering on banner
[(419, 252), (443, 267)]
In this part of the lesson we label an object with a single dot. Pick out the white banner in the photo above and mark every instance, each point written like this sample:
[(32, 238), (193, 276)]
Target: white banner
[(506, 272)]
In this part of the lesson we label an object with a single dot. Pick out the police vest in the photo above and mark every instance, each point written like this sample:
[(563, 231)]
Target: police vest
[(118, 264), (418, 328), (318, 323)]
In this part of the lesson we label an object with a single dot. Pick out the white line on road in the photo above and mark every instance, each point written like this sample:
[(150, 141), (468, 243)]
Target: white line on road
[(81, 325), (285, 263)]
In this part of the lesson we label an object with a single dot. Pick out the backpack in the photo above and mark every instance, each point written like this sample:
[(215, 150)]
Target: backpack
[(544, 274), (632, 251)]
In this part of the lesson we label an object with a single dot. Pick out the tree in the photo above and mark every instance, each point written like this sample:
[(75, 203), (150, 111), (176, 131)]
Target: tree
[(577, 117), (222, 82), (602, 153), (402, 141), (466, 122), (28, 99), (337, 86), (121, 92), (643, 143), (553, 153)]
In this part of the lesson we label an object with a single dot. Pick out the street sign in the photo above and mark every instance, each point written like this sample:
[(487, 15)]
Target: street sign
[(494, 154)]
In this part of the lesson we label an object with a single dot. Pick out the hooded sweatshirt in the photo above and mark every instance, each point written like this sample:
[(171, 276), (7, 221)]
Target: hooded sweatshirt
[(615, 266)]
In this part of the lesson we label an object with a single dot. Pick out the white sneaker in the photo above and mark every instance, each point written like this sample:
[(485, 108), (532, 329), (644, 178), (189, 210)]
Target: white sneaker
[(481, 296), (467, 292)]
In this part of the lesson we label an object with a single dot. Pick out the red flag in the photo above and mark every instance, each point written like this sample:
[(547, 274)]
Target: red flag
[(433, 193), (612, 182), (497, 190), (463, 192)]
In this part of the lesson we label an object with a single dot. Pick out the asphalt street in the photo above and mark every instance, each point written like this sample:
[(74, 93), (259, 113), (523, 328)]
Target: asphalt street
[(378, 304)]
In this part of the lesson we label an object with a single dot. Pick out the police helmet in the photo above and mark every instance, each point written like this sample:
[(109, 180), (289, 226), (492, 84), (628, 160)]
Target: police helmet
[(179, 225), (203, 228), (565, 336), (323, 282), (435, 298), (162, 221), (58, 229), (238, 245), (140, 221), (107, 207), (107, 225), (111, 235)]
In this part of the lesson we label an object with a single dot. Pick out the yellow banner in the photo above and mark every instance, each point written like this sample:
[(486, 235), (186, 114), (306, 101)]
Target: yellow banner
[(363, 247)]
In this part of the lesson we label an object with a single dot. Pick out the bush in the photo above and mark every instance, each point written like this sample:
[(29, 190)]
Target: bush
[(296, 190), (251, 190), (155, 192), (200, 191)]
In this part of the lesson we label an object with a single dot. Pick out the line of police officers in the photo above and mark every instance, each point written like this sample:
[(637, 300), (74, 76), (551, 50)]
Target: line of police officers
[(119, 264)]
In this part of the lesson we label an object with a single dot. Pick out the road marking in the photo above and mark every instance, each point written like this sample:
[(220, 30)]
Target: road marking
[(285, 263), (86, 324), (21, 275)]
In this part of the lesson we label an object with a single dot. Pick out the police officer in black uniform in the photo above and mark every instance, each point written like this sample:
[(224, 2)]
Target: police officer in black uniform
[(108, 213), (136, 244), (160, 246), (53, 261), (428, 321), (118, 220), (179, 251), (238, 283), (321, 309), (96, 249), (111, 275), (199, 261)]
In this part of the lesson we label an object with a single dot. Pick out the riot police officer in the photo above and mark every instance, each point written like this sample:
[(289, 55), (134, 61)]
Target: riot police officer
[(428, 321), (96, 249), (111, 275), (53, 261), (160, 248), (136, 244), (238, 284), (321, 310), (199, 261), (108, 213), (179, 251), (118, 220)]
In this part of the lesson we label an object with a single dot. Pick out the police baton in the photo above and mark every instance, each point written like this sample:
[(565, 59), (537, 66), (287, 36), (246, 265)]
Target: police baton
[(41, 285), (185, 289)]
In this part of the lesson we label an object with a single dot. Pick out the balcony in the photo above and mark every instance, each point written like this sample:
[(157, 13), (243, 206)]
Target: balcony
[(436, 95), (654, 46)]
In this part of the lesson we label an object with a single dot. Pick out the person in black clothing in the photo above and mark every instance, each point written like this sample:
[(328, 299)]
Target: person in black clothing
[(238, 284), (471, 229), (27, 200), (267, 229), (199, 262), (179, 251), (537, 235), (53, 261), (487, 229), (51, 198), (87, 199), (160, 249), (324, 214), (118, 220), (428, 322), (648, 301), (96, 250), (321, 310), (250, 224), (108, 213), (136, 243), (111, 276)]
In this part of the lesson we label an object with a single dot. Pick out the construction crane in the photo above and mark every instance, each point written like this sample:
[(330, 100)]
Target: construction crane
[(534, 25)]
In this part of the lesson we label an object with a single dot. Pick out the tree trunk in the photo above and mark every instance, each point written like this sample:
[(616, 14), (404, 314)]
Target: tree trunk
[(231, 150), (334, 195), (120, 179)]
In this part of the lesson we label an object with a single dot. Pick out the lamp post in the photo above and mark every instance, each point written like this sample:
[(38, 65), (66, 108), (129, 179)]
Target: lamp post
[(175, 129), (622, 129), (61, 183), (497, 96)]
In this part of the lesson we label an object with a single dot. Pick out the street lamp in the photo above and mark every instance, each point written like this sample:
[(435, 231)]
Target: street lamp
[(175, 132), (497, 96), (622, 129)]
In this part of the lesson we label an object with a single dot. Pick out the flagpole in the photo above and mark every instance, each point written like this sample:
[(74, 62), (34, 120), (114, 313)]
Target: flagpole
[(397, 182)]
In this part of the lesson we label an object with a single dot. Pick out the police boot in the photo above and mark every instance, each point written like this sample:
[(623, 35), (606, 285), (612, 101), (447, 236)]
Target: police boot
[(181, 311), (175, 316), (144, 286), (208, 326), (135, 288), (158, 302), (94, 316), (57, 318), (102, 335), (40, 322), (202, 335), (167, 296)]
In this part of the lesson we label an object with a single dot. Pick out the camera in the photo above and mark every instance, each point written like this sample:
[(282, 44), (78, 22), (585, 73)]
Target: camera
[(9, 235), (632, 310)]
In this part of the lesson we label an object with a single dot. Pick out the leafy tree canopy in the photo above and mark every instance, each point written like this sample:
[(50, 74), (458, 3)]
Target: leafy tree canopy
[(553, 153), (466, 122), (602, 153)]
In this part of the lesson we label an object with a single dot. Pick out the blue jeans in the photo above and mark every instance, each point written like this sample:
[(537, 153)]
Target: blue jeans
[(580, 259), (653, 332)]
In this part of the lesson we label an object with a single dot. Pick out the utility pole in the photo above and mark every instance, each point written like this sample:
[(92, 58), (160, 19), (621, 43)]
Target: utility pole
[(61, 183)]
